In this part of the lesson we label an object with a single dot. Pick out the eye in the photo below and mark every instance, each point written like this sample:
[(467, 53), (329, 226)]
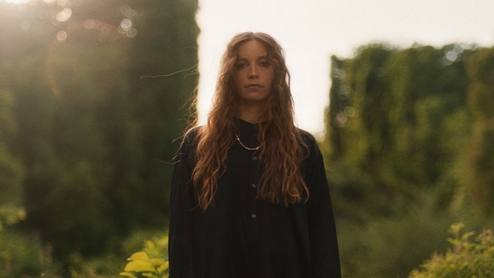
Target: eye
[(264, 63), (240, 65)]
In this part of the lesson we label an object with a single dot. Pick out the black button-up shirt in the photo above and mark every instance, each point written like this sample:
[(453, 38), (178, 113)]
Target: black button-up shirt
[(241, 236)]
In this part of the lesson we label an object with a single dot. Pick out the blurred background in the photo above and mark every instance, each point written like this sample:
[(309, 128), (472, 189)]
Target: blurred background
[(95, 96)]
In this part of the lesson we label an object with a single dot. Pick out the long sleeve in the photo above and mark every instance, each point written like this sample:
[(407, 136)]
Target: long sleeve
[(322, 229), (181, 205)]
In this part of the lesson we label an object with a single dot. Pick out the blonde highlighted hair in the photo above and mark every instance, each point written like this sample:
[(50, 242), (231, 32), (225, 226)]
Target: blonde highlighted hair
[(282, 148)]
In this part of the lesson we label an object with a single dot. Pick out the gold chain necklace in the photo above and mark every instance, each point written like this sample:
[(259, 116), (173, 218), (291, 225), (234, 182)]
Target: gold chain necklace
[(244, 146)]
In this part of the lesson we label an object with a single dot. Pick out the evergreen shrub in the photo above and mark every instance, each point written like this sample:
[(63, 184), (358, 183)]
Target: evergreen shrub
[(466, 257)]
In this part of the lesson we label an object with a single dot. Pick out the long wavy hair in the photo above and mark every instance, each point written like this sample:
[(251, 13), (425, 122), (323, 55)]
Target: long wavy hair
[(281, 146)]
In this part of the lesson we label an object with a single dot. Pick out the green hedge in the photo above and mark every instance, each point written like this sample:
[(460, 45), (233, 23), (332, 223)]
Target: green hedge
[(466, 258)]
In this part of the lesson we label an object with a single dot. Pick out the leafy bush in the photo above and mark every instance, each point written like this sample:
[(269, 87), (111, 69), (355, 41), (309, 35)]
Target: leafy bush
[(10, 215), (19, 252), (22, 255), (466, 258), (151, 262), (392, 246)]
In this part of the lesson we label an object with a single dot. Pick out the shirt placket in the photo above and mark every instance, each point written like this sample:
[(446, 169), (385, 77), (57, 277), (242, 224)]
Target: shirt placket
[(254, 215)]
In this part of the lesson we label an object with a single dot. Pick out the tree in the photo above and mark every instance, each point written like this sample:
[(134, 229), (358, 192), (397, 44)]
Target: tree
[(398, 126), (11, 168), (480, 177), (386, 119), (95, 139), (163, 78)]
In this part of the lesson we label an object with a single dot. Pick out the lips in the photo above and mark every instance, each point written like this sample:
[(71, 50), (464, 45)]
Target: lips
[(253, 86)]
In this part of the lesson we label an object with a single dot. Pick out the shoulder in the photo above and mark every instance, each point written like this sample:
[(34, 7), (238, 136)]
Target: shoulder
[(192, 134), (308, 140), (306, 136), (189, 139)]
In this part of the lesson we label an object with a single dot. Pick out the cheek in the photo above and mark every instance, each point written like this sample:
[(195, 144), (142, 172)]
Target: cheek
[(236, 82), (271, 77)]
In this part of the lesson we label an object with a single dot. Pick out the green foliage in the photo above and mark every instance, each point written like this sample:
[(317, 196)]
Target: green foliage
[(10, 215), (104, 266), (141, 265), (386, 124), (480, 70), (19, 252), (466, 257), (409, 150), (151, 262), (23, 255), (84, 140), (392, 246), (479, 182), (12, 170)]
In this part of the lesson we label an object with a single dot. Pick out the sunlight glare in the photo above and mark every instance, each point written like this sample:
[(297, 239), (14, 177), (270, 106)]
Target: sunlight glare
[(17, 2), (64, 15)]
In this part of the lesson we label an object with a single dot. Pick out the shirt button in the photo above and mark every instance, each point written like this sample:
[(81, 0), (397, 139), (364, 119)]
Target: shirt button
[(254, 158), (253, 215), (254, 185)]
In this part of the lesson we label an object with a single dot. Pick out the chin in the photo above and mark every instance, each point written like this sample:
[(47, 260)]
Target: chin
[(254, 97), (254, 100)]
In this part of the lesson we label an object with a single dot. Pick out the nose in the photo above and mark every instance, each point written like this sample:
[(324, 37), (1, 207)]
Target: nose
[(253, 72)]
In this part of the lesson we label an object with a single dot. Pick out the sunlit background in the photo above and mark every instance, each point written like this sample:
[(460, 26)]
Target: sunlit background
[(312, 31), (94, 98)]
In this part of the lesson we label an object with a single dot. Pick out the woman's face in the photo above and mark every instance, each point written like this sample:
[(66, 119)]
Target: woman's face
[(253, 73)]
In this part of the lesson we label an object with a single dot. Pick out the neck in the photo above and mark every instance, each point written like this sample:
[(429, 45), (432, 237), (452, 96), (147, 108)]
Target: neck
[(252, 113)]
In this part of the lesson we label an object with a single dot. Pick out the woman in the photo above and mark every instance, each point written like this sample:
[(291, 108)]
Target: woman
[(249, 195)]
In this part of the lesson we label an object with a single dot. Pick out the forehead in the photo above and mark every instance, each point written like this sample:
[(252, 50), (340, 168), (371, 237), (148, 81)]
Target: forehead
[(251, 49)]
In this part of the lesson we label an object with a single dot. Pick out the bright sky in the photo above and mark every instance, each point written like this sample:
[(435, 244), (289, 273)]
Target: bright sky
[(310, 31)]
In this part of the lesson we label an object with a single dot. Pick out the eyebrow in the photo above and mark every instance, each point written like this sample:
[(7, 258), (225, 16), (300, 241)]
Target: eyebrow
[(260, 57)]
